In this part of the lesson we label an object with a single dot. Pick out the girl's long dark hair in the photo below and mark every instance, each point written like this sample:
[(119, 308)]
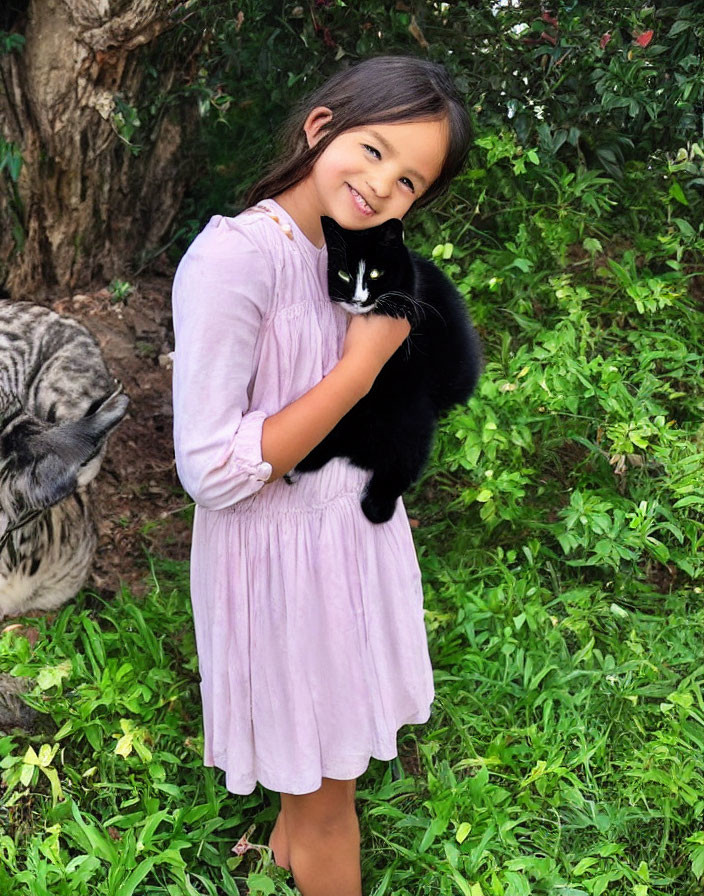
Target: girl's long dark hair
[(383, 89)]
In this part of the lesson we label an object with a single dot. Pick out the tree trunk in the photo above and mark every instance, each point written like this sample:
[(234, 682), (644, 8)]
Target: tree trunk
[(86, 201)]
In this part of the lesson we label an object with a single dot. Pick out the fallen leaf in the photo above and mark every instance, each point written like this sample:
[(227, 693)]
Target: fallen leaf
[(414, 28), (643, 39)]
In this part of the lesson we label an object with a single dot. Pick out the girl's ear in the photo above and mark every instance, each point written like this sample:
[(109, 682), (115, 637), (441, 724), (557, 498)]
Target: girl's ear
[(315, 124)]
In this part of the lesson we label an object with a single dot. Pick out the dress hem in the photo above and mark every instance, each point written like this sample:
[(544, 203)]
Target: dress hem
[(327, 770)]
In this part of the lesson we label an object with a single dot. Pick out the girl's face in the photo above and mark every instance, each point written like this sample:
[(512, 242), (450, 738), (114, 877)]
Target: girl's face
[(370, 174)]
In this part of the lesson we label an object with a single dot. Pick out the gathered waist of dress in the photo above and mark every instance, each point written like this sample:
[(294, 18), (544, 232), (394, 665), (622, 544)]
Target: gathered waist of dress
[(336, 480)]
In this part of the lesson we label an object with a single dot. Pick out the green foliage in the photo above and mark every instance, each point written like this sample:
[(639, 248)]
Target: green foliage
[(10, 167), (120, 291), (10, 42), (589, 84), (125, 120), (115, 799), (10, 159)]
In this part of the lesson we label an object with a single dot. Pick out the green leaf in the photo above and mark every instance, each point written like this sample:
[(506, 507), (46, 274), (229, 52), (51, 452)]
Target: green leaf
[(136, 877), (260, 885), (592, 245), (522, 264), (463, 831), (685, 228), (462, 883), (677, 193), (698, 862), (679, 26), (56, 791), (124, 745), (584, 865), (99, 844), (52, 676)]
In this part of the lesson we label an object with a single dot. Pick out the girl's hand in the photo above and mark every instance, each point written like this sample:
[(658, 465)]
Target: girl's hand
[(296, 429), (371, 340)]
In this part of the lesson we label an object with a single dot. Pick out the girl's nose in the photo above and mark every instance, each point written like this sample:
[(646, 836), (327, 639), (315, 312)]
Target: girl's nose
[(380, 184)]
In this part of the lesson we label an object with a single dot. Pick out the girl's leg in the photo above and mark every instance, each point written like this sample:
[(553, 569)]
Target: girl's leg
[(322, 830), (278, 841)]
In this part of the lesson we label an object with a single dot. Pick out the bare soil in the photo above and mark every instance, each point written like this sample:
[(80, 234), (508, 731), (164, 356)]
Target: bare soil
[(138, 495)]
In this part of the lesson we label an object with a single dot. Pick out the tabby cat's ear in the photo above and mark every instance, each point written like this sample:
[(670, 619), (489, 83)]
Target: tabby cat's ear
[(63, 451)]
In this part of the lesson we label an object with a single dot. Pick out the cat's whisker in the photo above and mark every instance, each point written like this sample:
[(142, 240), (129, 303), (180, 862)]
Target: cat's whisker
[(418, 305)]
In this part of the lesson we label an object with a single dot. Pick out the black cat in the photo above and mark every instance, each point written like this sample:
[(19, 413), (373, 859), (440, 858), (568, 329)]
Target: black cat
[(390, 431)]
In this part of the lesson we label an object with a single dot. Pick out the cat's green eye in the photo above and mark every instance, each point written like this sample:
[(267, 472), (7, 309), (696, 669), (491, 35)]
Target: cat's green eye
[(375, 274), (343, 275)]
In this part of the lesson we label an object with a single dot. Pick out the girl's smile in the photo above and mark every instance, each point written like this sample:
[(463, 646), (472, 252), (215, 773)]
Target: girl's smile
[(360, 202), (366, 175)]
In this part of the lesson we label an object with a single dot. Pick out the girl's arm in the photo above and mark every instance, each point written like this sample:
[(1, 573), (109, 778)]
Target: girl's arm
[(224, 451), (289, 435), (222, 290)]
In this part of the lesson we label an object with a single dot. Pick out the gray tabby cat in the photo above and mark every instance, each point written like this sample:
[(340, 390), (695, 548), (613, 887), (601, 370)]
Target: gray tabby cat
[(57, 406)]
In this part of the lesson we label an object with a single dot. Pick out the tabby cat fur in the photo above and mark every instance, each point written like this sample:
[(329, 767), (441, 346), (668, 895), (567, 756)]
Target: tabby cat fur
[(58, 404)]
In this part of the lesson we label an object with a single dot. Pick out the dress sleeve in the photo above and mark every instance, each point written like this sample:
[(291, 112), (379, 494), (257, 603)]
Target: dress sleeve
[(221, 291)]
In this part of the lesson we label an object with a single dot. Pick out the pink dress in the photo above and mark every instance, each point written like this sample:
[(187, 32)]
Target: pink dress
[(309, 626)]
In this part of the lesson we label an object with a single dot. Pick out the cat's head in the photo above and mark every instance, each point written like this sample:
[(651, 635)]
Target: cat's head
[(370, 270), (42, 463)]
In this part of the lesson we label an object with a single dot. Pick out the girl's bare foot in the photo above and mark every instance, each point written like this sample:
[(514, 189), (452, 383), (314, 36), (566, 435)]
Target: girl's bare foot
[(278, 841)]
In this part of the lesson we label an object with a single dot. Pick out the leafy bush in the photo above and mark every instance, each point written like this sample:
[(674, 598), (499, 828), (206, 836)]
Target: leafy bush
[(593, 84)]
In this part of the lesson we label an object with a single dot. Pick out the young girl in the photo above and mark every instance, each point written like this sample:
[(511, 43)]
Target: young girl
[(309, 618)]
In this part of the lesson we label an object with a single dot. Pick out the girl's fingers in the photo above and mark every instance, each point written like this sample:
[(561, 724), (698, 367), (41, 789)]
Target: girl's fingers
[(375, 337)]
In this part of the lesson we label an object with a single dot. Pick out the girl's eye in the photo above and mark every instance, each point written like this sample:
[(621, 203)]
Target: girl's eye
[(375, 274), (377, 155), (343, 275)]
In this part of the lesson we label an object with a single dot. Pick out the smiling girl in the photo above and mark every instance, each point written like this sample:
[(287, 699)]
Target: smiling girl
[(309, 619)]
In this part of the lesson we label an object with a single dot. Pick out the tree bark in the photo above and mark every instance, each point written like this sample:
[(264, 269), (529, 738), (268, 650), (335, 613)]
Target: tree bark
[(87, 201)]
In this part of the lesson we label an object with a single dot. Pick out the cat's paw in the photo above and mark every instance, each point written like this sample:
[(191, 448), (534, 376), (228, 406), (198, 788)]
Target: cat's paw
[(378, 509), (292, 476)]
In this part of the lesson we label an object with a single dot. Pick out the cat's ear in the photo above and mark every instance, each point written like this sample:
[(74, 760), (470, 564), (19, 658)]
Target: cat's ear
[(63, 452), (332, 231), (330, 227), (104, 415), (391, 233)]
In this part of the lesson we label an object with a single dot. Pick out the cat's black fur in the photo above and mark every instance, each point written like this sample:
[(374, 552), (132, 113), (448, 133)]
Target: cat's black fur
[(390, 431)]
